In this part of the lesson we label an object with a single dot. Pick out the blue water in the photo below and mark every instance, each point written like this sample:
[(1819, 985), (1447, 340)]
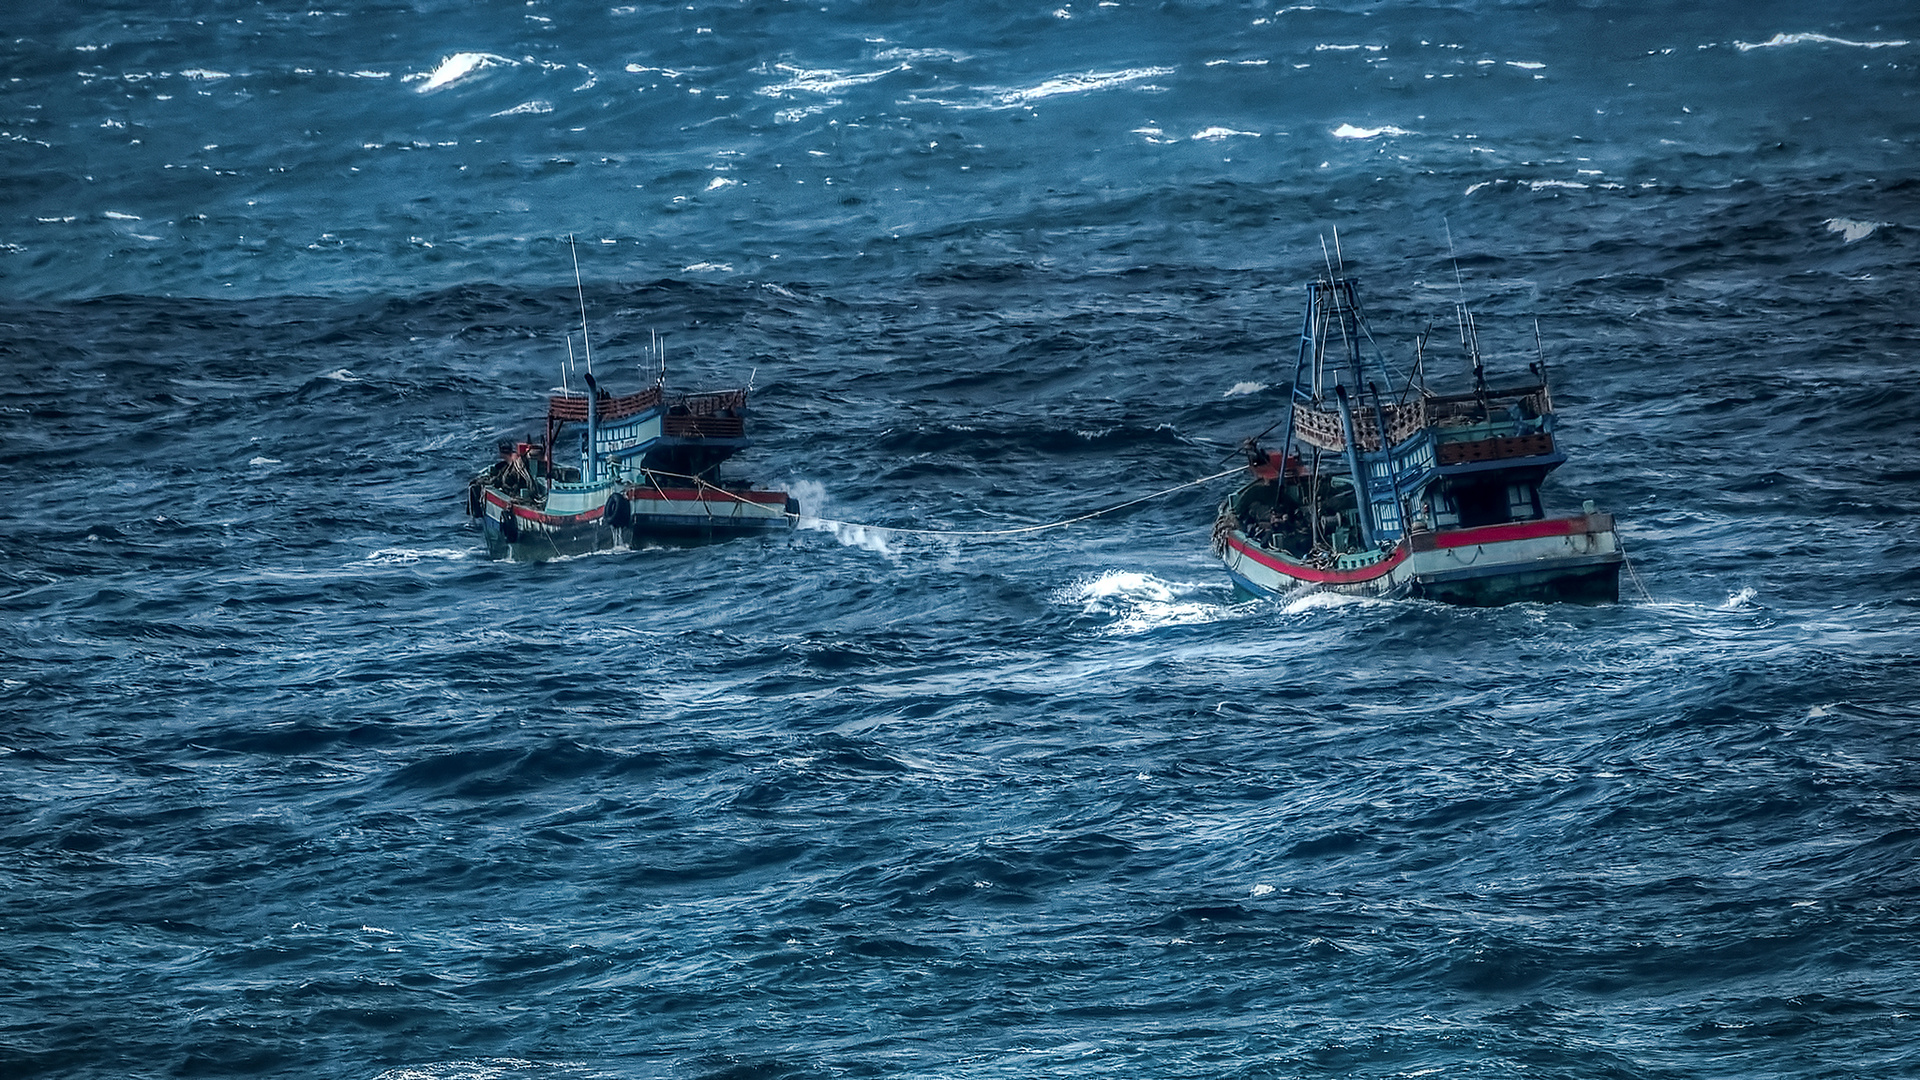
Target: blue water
[(294, 782)]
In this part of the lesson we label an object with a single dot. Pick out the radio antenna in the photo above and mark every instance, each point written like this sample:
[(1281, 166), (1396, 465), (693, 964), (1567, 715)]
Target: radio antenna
[(581, 290), (1469, 334)]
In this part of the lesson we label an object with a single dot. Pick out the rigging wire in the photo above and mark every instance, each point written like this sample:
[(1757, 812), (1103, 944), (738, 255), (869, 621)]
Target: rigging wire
[(965, 532)]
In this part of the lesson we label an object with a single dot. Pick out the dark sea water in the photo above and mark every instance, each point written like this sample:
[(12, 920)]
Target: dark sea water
[(294, 782)]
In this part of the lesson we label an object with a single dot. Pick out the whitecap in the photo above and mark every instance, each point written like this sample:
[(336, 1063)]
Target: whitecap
[(1349, 131), (821, 81), (264, 461), (1778, 40), (1310, 599), (1536, 185), (460, 66), (708, 268), (527, 108), (1851, 230), (1143, 602), (719, 182), (1526, 65), (115, 215), (866, 537), (1242, 388), (204, 75), (1087, 82), (410, 556), (1223, 133), (340, 375)]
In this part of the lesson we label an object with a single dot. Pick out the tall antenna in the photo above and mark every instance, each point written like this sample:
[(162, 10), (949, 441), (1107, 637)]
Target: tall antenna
[(1469, 334), (568, 364), (581, 290)]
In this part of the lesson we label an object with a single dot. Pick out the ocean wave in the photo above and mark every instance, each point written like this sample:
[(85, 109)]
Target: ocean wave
[(458, 68), (1851, 230), (822, 80), (1084, 83), (1781, 40), (1350, 131), (1140, 602)]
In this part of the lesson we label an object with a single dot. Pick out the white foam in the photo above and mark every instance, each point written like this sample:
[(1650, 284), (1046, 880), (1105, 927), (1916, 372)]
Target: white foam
[(264, 461), (822, 80), (527, 108), (409, 556), (708, 268), (493, 1069), (1851, 230), (1240, 389), (719, 182), (1222, 133), (204, 75), (460, 66), (1526, 65), (1779, 40), (1349, 131), (1142, 602), (115, 215), (1305, 600), (1084, 83)]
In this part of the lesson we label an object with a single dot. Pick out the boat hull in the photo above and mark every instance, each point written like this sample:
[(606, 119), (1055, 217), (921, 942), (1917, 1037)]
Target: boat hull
[(1574, 559), (613, 517)]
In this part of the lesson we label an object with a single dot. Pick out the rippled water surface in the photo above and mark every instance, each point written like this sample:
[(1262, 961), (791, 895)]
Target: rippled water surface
[(294, 782)]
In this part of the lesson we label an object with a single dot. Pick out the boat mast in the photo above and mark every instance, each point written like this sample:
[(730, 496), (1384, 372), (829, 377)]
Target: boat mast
[(1469, 333), (582, 292)]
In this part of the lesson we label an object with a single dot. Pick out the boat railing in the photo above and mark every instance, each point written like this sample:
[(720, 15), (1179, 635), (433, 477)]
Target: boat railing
[(1454, 410), (720, 414), (574, 406), (709, 403), (1322, 427)]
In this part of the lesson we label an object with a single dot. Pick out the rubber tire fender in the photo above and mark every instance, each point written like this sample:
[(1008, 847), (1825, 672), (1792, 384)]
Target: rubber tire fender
[(619, 512)]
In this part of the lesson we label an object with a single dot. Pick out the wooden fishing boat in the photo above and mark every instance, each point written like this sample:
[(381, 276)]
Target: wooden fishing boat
[(1383, 487), (647, 472)]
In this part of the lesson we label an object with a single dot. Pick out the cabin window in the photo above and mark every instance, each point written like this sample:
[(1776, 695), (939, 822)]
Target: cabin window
[(1523, 502), (1482, 504)]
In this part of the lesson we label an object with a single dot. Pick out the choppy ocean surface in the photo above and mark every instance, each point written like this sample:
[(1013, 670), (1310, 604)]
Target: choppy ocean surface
[(294, 782)]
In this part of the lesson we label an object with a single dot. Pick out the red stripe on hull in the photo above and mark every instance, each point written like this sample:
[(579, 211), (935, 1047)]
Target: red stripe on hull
[(1519, 530), (706, 495), (1320, 577)]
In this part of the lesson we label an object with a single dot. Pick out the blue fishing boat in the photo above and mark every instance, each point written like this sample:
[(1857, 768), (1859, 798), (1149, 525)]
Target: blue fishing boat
[(646, 470), (1381, 486)]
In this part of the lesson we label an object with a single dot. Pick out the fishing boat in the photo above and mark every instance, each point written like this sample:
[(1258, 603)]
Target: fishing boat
[(647, 472), (1382, 486)]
